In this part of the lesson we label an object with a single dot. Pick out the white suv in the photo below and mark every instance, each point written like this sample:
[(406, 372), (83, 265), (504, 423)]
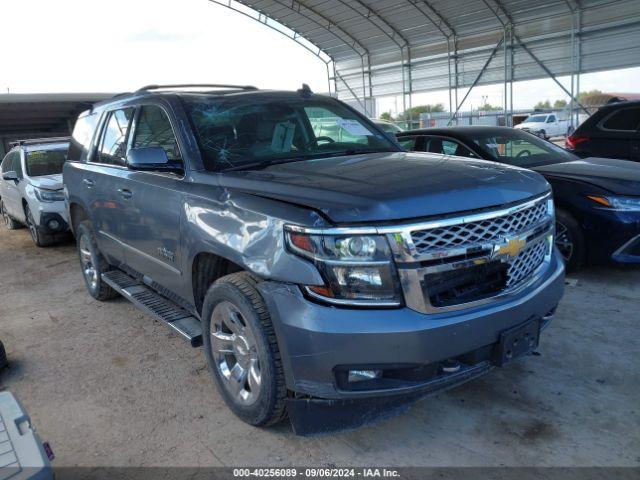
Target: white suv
[(31, 190)]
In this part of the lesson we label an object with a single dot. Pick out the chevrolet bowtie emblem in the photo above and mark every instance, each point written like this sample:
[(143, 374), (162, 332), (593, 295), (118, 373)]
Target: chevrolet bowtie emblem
[(513, 247)]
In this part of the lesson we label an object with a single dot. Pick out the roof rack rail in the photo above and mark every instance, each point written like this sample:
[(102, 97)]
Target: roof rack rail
[(36, 141), (190, 85)]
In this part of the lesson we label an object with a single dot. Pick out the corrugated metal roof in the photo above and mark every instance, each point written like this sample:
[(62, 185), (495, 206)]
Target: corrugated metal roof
[(368, 41)]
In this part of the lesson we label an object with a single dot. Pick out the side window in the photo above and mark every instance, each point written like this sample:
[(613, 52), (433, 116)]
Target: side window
[(81, 138), (627, 119), (153, 129), (408, 143), (17, 164), (551, 118), (448, 147), (7, 163), (112, 149)]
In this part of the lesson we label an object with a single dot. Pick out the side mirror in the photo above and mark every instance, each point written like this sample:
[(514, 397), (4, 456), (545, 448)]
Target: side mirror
[(10, 175), (150, 158)]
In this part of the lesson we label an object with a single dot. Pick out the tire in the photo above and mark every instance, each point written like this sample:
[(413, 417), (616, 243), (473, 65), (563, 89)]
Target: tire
[(92, 263), (569, 131), (240, 341), (39, 238), (9, 222), (570, 240), (542, 134), (3, 357)]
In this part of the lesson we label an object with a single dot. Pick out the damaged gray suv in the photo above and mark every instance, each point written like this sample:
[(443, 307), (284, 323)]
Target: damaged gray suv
[(320, 264)]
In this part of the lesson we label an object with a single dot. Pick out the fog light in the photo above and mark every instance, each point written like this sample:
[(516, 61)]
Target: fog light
[(53, 224), (362, 375)]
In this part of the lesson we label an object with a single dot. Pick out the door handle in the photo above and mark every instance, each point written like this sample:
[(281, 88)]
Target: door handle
[(125, 193), (88, 182)]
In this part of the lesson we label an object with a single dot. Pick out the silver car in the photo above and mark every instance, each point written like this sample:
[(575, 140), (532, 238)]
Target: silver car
[(31, 189)]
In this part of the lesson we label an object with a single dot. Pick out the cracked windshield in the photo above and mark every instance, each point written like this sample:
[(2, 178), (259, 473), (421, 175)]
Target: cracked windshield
[(253, 133)]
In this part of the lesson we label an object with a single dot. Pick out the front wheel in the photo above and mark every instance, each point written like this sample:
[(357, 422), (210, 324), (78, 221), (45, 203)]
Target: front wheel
[(242, 350), (92, 263), (39, 238), (9, 222), (570, 240)]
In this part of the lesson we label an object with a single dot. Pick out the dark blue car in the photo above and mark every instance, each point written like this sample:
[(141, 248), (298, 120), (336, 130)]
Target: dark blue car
[(597, 199)]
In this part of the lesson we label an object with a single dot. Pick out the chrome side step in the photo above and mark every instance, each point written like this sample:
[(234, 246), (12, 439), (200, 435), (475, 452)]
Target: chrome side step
[(155, 305)]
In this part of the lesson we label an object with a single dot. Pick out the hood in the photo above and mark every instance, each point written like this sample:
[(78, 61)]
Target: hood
[(530, 125), (380, 187), (617, 176), (47, 182)]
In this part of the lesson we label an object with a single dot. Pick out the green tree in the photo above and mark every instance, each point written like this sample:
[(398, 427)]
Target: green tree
[(582, 96), (487, 107), (414, 113), (543, 105), (559, 104), (386, 116)]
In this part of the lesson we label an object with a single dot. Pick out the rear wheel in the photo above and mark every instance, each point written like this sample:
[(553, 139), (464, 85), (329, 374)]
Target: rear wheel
[(542, 134), (570, 240), (242, 350), (9, 222), (92, 263), (39, 238)]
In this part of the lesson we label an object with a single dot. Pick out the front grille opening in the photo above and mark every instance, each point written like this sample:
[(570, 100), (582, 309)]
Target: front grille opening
[(454, 287), (473, 233)]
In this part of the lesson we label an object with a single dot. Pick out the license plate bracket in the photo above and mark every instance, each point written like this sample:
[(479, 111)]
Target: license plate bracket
[(517, 341)]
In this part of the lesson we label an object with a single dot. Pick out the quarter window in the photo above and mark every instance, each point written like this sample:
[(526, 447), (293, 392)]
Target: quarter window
[(153, 129), (113, 145), (627, 119)]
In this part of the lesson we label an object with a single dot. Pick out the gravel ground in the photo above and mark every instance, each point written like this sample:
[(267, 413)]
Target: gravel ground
[(108, 386)]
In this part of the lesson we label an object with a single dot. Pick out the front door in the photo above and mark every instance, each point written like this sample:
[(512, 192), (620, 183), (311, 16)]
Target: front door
[(152, 221)]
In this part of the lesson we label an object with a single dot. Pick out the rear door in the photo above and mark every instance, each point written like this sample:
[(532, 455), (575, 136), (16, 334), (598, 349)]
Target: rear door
[(106, 183), (152, 221)]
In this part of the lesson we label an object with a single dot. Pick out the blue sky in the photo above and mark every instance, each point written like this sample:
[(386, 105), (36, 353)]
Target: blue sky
[(120, 45)]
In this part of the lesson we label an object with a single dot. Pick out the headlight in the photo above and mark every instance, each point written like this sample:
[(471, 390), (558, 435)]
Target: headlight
[(49, 195), (357, 269), (618, 203)]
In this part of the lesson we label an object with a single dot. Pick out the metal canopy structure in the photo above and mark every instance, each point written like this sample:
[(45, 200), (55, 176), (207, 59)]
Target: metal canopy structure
[(375, 48), (41, 114)]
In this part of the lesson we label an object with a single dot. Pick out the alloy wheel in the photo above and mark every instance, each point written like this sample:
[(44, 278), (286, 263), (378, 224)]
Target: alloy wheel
[(88, 267), (235, 352), (32, 227), (564, 241)]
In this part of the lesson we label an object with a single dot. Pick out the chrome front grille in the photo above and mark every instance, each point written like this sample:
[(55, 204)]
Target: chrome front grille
[(480, 232), (460, 262), (526, 263)]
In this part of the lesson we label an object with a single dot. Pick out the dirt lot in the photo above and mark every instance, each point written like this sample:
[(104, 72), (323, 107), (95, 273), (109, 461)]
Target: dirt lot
[(108, 386)]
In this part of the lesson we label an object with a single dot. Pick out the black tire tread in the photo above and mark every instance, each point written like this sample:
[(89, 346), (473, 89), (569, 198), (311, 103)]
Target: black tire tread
[(247, 284), (13, 224), (578, 258), (105, 292)]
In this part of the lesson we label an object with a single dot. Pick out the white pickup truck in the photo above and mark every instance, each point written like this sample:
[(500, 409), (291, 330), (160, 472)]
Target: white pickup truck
[(545, 125)]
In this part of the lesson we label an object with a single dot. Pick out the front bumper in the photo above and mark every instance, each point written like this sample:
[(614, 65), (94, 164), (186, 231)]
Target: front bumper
[(50, 212), (613, 235), (52, 223), (318, 342)]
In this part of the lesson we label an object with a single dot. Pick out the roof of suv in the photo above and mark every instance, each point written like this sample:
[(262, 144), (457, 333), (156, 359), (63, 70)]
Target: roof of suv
[(35, 144), (213, 90)]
